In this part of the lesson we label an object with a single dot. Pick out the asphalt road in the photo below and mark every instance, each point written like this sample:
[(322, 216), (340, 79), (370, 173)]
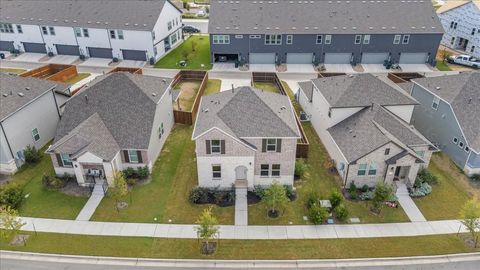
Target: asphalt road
[(201, 24)]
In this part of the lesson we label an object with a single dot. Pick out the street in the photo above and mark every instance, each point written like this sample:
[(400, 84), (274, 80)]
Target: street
[(201, 24)]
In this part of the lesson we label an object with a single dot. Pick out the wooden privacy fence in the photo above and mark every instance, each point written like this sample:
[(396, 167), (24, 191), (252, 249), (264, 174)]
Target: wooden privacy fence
[(127, 69), (401, 77), (330, 74), (188, 117), (52, 72)]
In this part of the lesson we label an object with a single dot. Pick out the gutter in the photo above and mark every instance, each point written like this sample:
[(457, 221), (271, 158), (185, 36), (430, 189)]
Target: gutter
[(6, 139)]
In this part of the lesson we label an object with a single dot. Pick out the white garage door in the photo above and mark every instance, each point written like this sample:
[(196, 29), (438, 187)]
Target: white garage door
[(262, 58), (299, 58), (374, 58), (413, 58), (337, 58)]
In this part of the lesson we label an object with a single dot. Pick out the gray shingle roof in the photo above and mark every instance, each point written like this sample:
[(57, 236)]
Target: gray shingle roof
[(12, 86), (124, 104), (109, 14), (307, 89), (359, 134), (246, 112), (323, 17), (462, 91), (360, 90)]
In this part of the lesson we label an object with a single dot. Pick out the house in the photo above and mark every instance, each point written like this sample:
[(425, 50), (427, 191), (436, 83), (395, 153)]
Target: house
[(449, 116), (120, 120), (461, 22), (129, 30), (330, 32), (364, 123), (29, 114), (245, 134)]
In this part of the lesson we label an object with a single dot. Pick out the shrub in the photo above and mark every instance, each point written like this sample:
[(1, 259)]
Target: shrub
[(300, 168), (131, 181), (67, 177), (291, 193), (425, 176), (11, 195), (129, 172), (366, 196), (52, 182), (352, 186), (341, 212), (143, 172), (32, 155), (353, 194), (317, 214), (365, 188), (423, 190), (259, 191), (312, 199), (198, 195), (381, 193), (335, 198)]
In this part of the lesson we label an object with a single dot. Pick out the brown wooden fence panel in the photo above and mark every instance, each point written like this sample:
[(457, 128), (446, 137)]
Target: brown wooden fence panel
[(394, 78), (132, 70), (330, 74), (269, 77), (52, 72), (407, 76), (64, 74), (184, 117)]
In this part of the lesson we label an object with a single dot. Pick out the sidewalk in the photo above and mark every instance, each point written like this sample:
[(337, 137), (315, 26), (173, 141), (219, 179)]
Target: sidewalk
[(241, 203), (408, 204), (89, 208)]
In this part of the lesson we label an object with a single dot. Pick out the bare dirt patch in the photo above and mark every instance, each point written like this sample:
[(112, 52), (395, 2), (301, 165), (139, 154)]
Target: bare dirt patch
[(19, 240), (188, 92)]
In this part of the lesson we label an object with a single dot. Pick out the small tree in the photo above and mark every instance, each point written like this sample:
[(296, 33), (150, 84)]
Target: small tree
[(275, 198), (470, 215), (9, 222), (381, 193), (194, 46), (119, 189), (185, 3), (32, 155), (335, 198), (207, 230)]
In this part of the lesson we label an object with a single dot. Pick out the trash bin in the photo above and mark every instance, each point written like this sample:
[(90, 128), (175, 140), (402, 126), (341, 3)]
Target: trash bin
[(2, 56), (236, 64)]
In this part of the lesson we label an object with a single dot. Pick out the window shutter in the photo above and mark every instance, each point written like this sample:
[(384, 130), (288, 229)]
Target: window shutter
[(59, 160), (279, 145), (139, 156), (125, 155), (222, 144), (207, 142), (264, 145)]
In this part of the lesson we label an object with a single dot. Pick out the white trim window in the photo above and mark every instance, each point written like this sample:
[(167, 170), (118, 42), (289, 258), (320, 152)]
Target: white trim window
[(161, 130), (328, 39), (467, 149), (6, 28), (19, 29), (255, 36), (169, 26), (273, 39), (216, 147), (275, 169), (289, 39), (86, 33), (51, 29), (44, 30), (406, 39), (358, 39), (35, 135), (362, 169), (66, 160), (238, 36), (396, 39), (217, 171), (435, 102), (271, 145), (264, 170), (366, 39), (420, 153), (372, 170), (120, 34), (221, 39), (460, 144), (78, 31), (133, 156)]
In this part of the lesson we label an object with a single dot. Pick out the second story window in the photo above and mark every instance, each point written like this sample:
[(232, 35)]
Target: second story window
[(472, 49), (435, 103), (451, 24), (328, 39), (85, 33), (406, 39), (35, 135), (221, 39), (153, 35), (169, 25), (19, 29), (215, 147), (366, 39), (396, 39), (387, 151), (473, 31), (52, 30), (289, 39), (6, 28), (358, 39), (319, 39), (44, 30), (120, 34), (273, 39), (112, 34), (78, 32), (271, 145)]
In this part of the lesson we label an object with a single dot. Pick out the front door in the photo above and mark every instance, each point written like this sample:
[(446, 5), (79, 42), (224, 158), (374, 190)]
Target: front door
[(397, 172)]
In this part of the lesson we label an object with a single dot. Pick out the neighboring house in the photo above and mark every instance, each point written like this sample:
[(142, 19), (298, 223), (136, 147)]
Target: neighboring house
[(129, 30), (461, 22), (121, 120), (245, 134), (29, 114), (330, 32), (363, 121), (449, 116)]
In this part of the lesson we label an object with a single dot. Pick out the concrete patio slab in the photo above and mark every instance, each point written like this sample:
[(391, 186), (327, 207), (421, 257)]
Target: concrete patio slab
[(96, 62), (262, 68), (62, 59), (345, 68), (374, 68), (300, 68), (416, 68), (29, 57)]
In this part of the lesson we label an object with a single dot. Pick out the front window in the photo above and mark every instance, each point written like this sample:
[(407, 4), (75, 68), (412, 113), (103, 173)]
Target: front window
[(396, 39), (221, 39), (44, 30), (472, 49), (216, 147), (276, 170), (255, 36), (290, 39), (273, 39), (112, 34), (387, 151), (264, 170), (328, 39), (271, 145), (52, 30), (358, 39), (216, 171), (319, 39), (120, 34), (133, 156), (169, 25), (435, 103), (66, 160), (173, 38), (19, 29), (406, 39), (467, 149), (362, 169), (6, 28), (35, 135), (85, 32), (366, 39), (160, 131), (373, 169)]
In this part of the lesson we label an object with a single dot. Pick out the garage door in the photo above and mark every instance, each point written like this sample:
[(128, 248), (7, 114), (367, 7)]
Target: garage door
[(67, 49), (299, 58), (34, 47), (134, 55), (100, 52), (374, 58), (413, 58), (6, 46), (337, 58), (262, 58)]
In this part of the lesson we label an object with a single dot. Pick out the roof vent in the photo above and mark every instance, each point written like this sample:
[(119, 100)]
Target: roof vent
[(21, 94), (164, 81), (438, 87), (27, 88), (5, 94), (154, 94)]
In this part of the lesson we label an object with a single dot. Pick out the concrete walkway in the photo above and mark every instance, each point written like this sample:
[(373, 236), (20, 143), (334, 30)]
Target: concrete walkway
[(408, 205), (241, 203), (92, 203)]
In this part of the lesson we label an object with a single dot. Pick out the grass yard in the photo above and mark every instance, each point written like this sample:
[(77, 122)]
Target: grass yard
[(267, 86), (79, 77), (195, 59), (188, 92), (243, 249), (451, 192), (213, 86), (42, 202), (442, 66), (12, 70), (166, 197)]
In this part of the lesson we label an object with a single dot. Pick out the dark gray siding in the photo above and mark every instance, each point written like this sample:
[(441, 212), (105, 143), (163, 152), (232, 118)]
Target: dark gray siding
[(474, 160), (381, 43), (439, 126)]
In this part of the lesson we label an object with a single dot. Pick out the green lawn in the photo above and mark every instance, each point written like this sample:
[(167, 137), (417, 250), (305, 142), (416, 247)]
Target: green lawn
[(442, 66), (196, 58), (42, 202), (243, 249), (166, 197), (12, 70), (451, 192), (79, 77), (213, 86), (266, 86)]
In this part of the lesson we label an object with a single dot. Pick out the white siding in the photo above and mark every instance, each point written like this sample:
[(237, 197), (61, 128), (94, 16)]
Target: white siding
[(63, 35), (404, 112), (31, 33), (169, 13)]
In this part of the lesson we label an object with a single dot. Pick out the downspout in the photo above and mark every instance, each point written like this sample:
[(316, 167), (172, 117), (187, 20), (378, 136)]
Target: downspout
[(56, 103), (6, 139), (346, 176)]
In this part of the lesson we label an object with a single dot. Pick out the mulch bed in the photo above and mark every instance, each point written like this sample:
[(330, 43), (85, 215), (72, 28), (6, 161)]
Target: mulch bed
[(73, 189), (253, 198)]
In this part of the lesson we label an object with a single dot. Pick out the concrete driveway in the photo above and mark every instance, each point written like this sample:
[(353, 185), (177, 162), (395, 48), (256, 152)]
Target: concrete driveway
[(96, 62), (416, 68), (374, 68), (132, 63), (224, 67), (29, 57), (6, 54), (300, 68), (262, 67), (345, 68), (62, 59)]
